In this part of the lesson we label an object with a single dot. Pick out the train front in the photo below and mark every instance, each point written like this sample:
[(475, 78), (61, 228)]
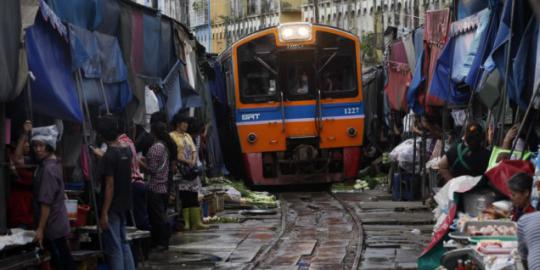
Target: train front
[(298, 99)]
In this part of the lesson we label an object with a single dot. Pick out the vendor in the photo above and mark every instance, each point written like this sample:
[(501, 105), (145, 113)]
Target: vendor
[(20, 212), (520, 186), (466, 158), (51, 213), (529, 240)]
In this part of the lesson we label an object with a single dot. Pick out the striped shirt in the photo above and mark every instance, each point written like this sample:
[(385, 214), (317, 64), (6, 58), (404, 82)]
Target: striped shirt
[(158, 167), (529, 239)]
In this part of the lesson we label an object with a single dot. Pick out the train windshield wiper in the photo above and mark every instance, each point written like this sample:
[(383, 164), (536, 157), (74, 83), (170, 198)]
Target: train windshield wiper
[(327, 62), (264, 64)]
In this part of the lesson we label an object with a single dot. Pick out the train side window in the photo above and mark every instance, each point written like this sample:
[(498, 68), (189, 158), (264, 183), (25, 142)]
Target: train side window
[(257, 70), (336, 66)]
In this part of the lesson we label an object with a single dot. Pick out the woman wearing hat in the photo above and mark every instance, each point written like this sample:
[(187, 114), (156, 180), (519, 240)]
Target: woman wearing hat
[(48, 190)]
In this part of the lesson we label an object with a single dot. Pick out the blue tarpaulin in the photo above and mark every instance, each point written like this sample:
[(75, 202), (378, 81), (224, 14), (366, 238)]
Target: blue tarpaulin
[(521, 18), (417, 82), (100, 58), (111, 17), (53, 92), (466, 8), (456, 60), (152, 37), (171, 87), (98, 55), (477, 68), (524, 65), (83, 13), (217, 86)]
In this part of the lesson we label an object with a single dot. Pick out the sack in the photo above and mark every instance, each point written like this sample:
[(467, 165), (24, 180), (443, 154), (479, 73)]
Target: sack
[(187, 172)]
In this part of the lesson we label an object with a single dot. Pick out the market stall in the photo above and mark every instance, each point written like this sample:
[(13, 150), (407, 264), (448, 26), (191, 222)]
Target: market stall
[(476, 222)]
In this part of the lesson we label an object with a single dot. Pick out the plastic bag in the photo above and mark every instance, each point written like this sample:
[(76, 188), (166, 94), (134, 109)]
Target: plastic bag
[(501, 173)]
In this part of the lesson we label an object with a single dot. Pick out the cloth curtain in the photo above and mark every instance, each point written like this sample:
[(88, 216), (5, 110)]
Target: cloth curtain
[(10, 32)]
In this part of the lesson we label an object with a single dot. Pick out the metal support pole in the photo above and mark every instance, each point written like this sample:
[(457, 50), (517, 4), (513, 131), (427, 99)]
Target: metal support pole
[(508, 62)]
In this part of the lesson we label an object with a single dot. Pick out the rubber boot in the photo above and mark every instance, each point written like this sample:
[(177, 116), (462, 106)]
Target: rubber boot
[(187, 217), (195, 218)]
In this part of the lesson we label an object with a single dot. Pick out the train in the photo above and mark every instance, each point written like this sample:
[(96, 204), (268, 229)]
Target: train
[(295, 98)]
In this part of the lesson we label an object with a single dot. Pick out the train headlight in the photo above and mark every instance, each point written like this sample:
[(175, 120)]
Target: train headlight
[(352, 132), (251, 138), (294, 32)]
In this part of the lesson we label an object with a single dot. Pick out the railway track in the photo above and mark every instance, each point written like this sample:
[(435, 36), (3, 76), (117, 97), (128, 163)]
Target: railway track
[(318, 232)]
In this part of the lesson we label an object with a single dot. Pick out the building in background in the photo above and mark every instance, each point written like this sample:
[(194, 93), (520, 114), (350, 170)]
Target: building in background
[(219, 23), (176, 9)]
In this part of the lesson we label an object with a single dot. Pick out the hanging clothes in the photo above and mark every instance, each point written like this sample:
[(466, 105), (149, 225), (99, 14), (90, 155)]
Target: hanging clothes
[(399, 77), (54, 93), (435, 36), (408, 42), (10, 32)]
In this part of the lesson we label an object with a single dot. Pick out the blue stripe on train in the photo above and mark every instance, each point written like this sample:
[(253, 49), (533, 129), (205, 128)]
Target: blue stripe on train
[(299, 112)]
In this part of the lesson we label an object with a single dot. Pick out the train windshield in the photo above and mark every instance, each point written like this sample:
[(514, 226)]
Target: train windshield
[(297, 73), (336, 66), (257, 69)]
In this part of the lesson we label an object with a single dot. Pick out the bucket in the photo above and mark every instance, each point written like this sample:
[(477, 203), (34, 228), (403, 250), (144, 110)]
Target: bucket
[(82, 215), (71, 206)]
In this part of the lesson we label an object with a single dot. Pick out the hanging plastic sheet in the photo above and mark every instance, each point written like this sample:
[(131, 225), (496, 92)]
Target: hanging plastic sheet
[(419, 42), (521, 18), (217, 86), (399, 77), (55, 94), (372, 90), (151, 40), (167, 57), (100, 58), (111, 17), (190, 97), (171, 87), (416, 88), (468, 34), (466, 8), (435, 36), (457, 58), (10, 32), (83, 13), (524, 63), (408, 42), (485, 47)]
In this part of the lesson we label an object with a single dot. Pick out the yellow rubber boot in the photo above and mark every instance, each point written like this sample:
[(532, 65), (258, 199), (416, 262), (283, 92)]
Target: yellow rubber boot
[(187, 217), (196, 220)]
